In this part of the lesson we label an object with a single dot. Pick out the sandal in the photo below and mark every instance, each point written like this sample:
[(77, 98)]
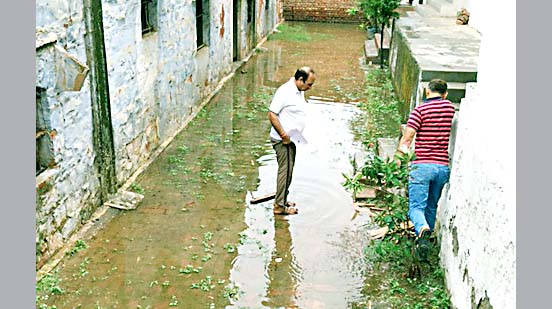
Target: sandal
[(291, 204), (281, 210)]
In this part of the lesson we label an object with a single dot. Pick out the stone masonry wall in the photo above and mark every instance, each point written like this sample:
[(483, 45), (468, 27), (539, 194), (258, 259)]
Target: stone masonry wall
[(320, 10), (156, 83), (67, 192)]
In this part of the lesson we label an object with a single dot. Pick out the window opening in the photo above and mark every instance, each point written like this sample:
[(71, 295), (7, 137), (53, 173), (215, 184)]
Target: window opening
[(148, 14), (250, 9), (202, 22)]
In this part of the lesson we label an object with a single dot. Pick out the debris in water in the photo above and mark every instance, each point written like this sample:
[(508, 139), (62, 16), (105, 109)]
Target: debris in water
[(125, 200)]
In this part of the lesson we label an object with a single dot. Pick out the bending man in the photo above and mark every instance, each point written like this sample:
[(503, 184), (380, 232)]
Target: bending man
[(431, 123)]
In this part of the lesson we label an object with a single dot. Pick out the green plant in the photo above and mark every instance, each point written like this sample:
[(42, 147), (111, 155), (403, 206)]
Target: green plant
[(79, 246), (82, 267), (352, 11), (391, 180), (48, 285), (204, 284), (189, 269), (134, 187), (174, 301), (230, 248), (232, 291)]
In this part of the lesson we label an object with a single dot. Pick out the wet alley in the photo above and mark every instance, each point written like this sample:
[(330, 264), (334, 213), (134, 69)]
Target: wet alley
[(196, 241)]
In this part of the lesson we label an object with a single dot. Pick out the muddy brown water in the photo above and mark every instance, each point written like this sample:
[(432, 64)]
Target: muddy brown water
[(195, 239)]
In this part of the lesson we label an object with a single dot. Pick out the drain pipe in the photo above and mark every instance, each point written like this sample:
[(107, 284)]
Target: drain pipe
[(102, 129)]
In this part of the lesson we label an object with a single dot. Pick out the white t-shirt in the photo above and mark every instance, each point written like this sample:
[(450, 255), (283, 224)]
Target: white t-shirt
[(289, 104)]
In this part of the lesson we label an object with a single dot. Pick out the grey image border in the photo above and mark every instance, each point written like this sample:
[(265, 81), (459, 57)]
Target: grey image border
[(17, 181), (533, 152)]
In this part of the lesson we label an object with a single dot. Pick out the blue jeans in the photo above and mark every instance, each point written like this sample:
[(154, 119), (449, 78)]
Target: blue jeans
[(424, 190)]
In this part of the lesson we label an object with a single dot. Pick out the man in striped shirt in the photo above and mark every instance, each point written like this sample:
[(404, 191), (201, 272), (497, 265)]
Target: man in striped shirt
[(430, 123)]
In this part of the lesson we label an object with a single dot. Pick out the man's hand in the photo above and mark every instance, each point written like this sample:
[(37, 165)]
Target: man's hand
[(398, 162), (285, 139)]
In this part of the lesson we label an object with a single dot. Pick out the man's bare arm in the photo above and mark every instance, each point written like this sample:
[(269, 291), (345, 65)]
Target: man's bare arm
[(404, 143)]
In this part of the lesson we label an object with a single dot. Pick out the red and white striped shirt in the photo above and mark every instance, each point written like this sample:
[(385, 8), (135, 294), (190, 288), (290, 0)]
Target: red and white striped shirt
[(432, 121)]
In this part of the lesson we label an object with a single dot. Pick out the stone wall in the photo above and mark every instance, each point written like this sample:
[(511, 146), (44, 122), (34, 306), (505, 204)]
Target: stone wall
[(320, 10), (67, 191), (156, 83)]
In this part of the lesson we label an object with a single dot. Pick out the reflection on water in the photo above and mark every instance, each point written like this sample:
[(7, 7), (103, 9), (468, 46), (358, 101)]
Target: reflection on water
[(195, 234)]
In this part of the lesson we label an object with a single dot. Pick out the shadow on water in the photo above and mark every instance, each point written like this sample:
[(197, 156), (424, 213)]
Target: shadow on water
[(195, 241)]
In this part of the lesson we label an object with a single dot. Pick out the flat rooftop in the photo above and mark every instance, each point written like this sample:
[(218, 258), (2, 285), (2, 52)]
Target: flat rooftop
[(439, 44)]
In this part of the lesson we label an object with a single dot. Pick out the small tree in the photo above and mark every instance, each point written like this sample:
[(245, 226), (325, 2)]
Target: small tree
[(378, 13)]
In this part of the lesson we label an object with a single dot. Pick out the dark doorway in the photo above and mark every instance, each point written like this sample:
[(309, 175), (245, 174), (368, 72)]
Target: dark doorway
[(251, 31), (236, 30)]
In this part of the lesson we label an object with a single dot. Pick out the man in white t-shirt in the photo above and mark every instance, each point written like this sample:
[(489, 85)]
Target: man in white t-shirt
[(287, 116)]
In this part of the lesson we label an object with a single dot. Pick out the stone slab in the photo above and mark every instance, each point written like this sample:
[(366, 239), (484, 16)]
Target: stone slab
[(366, 193), (386, 40), (125, 200), (370, 51), (387, 147)]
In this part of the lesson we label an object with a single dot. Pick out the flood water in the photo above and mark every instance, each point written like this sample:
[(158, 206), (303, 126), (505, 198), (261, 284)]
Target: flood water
[(195, 241)]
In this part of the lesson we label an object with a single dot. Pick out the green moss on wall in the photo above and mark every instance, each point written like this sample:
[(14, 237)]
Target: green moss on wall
[(405, 75)]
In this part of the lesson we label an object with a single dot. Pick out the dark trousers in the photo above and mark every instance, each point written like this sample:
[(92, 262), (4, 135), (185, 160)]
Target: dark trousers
[(285, 156)]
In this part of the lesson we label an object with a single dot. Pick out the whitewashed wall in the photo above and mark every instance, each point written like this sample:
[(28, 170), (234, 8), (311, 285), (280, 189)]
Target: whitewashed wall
[(68, 192), (478, 209), (156, 82)]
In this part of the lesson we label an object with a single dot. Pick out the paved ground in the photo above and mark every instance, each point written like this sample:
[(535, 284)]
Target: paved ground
[(439, 44)]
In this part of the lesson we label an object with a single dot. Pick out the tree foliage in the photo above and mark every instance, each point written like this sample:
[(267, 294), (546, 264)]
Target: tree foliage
[(379, 12)]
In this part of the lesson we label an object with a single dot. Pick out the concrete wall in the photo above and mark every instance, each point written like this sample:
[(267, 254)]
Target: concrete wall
[(156, 83), (320, 10), (478, 210)]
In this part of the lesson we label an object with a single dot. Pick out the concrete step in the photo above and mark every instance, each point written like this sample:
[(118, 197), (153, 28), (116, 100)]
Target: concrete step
[(386, 40), (444, 8), (451, 76), (403, 9), (386, 44), (413, 14), (371, 51), (388, 31), (426, 11), (456, 91)]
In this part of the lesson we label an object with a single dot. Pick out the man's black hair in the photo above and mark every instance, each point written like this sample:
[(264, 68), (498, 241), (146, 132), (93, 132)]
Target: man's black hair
[(303, 73), (438, 85)]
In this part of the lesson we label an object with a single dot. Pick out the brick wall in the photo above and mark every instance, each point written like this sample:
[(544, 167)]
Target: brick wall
[(320, 10)]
